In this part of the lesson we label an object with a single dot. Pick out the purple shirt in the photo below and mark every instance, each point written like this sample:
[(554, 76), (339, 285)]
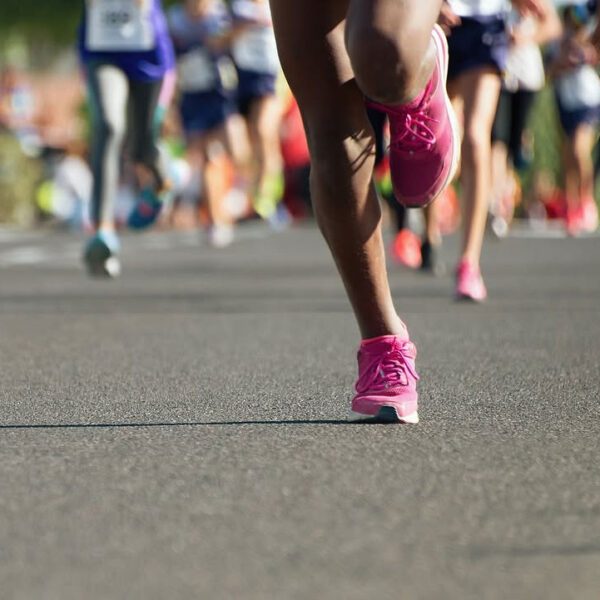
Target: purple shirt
[(147, 64)]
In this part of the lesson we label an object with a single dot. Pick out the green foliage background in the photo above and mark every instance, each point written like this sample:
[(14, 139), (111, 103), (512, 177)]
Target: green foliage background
[(19, 176), (51, 20)]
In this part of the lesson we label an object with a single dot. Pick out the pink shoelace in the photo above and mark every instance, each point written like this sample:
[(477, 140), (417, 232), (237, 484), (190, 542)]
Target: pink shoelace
[(414, 134), (388, 369)]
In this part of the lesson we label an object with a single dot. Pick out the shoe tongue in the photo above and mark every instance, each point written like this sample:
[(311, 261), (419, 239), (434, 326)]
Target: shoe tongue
[(383, 342)]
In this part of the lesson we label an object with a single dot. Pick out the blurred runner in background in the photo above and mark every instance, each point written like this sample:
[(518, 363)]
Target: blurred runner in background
[(201, 31), (478, 44), (577, 88), (126, 51), (524, 76), (254, 51)]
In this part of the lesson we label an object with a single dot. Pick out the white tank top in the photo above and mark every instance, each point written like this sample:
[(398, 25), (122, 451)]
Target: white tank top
[(479, 8)]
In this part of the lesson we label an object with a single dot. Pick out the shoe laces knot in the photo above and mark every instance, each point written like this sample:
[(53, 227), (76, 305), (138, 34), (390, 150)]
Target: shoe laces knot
[(413, 132), (389, 368)]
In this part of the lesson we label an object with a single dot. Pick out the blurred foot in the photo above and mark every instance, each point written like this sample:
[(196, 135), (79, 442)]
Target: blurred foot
[(268, 197), (431, 261), (406, 249), (589, 215), (499, 227), (281, 218), (386, 390), (583, 218), (101, 255), (146, 210), (221, 235), (469, 283)]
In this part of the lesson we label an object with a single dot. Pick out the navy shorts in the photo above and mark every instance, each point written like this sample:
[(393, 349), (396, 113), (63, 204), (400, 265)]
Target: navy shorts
[(477, 43), (252, 86), (203, 111), (571, 119)]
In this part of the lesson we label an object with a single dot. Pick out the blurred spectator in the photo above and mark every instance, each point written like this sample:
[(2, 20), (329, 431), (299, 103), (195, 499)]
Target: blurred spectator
[(17, 105), (577, 89), (200, 30), (255, 54), (65, 193), (524, 76)]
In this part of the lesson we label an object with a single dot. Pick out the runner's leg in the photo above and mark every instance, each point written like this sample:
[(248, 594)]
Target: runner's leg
[(108, 90), (341, 144), (144, 98), (479, 89), (264, 121), (312, 48)]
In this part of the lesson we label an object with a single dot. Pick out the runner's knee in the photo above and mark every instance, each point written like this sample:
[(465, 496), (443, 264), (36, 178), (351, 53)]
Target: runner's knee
[(386, 61), (109, 131), (476, 142)]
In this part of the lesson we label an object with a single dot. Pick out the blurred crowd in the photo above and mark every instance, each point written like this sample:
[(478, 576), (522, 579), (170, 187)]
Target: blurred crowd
[(234, 152)]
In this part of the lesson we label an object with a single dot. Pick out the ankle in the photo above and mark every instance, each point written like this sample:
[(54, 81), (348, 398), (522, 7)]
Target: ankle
[(394, 327)]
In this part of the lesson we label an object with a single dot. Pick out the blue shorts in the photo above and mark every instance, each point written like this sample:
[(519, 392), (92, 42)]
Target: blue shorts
[(252, 86), (570, 119), (478, 43), (203, 111)]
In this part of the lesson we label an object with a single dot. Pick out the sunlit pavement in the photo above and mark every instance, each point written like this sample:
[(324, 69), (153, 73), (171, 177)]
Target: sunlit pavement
[(180, 432)]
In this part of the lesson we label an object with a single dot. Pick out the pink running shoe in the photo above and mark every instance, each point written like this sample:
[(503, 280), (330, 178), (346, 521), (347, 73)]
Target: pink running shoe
[(386, 390), (469, 283), (425, 137), (406, 249), (589, 215)]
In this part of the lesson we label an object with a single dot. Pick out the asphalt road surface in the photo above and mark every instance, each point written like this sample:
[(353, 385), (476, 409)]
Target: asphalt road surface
[(180, 433)]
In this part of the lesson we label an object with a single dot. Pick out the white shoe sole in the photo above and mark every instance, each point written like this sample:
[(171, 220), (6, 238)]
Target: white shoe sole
[(439, 38), (386, 414)]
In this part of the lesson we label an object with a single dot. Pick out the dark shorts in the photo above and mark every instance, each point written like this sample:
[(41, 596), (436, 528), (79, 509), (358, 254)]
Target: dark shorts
[(477, 43), (203, 111), (571, 119), (253, 86), (511, 120)]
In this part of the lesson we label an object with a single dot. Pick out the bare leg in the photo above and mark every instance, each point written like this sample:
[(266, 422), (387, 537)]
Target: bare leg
[(312, 50), (263, 125), (479, 90), (432, 226), (500, 174), (583, 142), (571, 174), (214, 187)]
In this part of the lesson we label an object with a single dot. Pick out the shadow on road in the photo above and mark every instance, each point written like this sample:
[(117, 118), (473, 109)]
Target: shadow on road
[(178, 424)]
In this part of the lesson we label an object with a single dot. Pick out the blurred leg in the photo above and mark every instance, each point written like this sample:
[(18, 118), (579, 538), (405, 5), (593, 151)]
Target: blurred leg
[(264, 123), (144, 131), (571, 174), (479, 90), (583, 143), (108, 90), (212, 145)]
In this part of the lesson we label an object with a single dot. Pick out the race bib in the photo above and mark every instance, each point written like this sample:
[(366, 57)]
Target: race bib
[(256, 50), (196, 71), (119, 25), (579, 89)]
